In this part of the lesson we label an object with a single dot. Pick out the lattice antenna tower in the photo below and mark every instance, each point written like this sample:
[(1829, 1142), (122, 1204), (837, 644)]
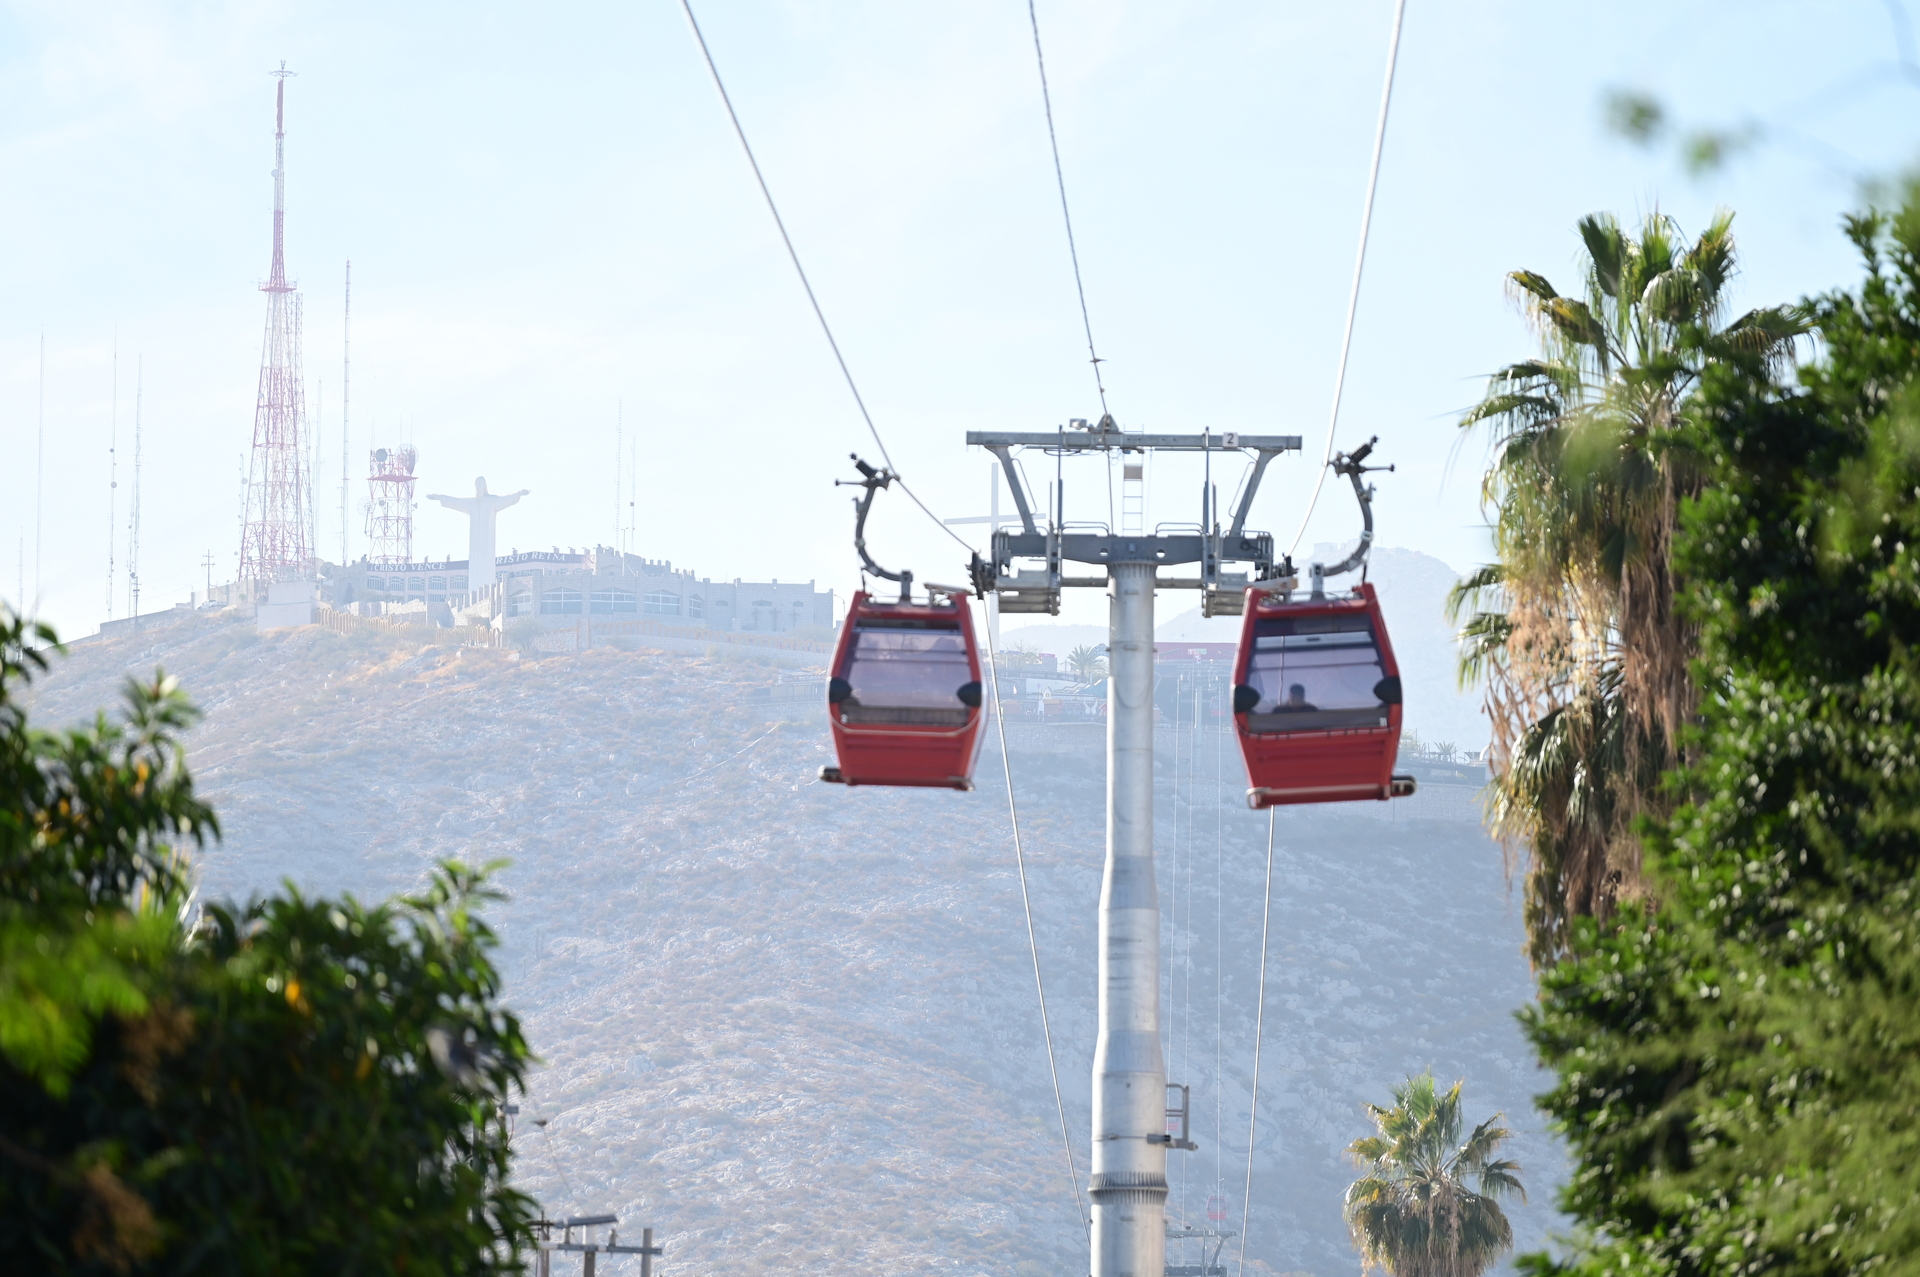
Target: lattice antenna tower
[(390, 481), (277, 534)]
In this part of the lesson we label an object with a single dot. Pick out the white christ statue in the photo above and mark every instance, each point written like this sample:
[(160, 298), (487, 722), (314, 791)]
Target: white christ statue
[(480, 509)]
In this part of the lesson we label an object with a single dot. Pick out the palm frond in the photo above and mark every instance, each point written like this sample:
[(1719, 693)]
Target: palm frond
[(1532, 284), (1607, 248), (1497, 1179), (1574, 321), (1712, 255), (1466, 592)]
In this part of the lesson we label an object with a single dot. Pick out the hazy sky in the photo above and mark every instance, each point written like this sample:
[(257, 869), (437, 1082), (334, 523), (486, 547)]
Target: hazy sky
[(551, 224)]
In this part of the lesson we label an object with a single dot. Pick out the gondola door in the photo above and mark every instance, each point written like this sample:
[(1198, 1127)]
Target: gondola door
[(904, 696), (1316, 700)]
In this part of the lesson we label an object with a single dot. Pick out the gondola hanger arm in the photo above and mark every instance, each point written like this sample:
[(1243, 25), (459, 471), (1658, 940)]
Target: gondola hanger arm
[(872, 480), (1351, 465)]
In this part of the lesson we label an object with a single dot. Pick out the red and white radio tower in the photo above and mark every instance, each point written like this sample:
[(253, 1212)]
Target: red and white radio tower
[(277, 537)]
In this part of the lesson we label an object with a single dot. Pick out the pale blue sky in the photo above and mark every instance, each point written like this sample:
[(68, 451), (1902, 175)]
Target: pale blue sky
[(548, 216)]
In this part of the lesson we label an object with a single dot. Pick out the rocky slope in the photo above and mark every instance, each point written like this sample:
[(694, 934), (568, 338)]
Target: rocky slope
[(791, 1024)]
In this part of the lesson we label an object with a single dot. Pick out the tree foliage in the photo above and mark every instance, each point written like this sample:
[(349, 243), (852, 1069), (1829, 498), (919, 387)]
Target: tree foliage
[(1735, 1052), (1428, 1202), (1573, 629), (289, 1085), (1088, 662)]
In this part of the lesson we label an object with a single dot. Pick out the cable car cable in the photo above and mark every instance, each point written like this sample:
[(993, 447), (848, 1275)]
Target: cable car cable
[(1033, 942), (1219, 963), (1259, 1023), (793, 255), (1359, 266), (1046, 100)]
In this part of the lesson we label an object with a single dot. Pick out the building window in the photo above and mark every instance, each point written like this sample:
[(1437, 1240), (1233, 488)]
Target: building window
[(694, 607), (663, 603), (520, 605), (561, 603), (460, 585), (438, 583), (607, 602), (415, 585), (377, 583)]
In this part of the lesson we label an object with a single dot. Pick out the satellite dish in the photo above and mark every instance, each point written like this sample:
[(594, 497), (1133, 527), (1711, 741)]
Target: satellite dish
[(380, 454)]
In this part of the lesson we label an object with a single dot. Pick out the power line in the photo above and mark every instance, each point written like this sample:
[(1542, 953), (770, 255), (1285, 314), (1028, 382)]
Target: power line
[(1359, 266), (1060, 177), (794, 257)]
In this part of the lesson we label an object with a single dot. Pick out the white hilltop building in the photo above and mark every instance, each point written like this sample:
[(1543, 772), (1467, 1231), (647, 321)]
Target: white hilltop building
[(561, 589)]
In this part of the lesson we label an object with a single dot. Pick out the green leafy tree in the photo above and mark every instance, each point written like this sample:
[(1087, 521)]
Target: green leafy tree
[(1573, 629), (1428, 1203), (290, 1085), (1735, 1052)]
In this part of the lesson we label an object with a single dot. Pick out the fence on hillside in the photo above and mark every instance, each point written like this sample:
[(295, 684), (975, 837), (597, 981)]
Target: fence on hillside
[(456, 636)]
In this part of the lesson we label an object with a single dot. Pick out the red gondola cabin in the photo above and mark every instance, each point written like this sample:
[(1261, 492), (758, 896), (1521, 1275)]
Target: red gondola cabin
[(1316, 698), (904, 695)]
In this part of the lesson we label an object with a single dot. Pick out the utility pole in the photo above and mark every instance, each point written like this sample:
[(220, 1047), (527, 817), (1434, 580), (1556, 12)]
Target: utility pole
[(1128, 1236)]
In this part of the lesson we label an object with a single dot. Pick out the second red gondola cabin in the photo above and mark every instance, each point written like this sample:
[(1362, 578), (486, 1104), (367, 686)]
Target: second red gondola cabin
[(904, 694), (1316, 699)]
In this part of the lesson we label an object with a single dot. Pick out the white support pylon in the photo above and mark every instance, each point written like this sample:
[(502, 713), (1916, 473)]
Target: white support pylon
[(1129, 1187)]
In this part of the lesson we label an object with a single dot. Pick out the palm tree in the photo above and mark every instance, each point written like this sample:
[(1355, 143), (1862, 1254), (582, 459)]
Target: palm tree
[(1573, 630), (1427, 1205), (1087, 662)]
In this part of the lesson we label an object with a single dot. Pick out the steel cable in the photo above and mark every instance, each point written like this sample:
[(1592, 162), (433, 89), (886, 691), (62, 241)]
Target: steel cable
[(1033, 941), (1359, 266), (1259, 1025), (1060, 177), (793, 256)]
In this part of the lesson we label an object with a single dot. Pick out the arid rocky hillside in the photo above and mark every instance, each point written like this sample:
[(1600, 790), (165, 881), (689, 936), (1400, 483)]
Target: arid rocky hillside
[(790, 1024)]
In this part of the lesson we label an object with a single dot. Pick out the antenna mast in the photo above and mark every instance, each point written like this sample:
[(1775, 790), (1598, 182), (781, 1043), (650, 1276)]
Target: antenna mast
[(39, 476), (113, 474), (346, 402), (133, 521), (276, 541)]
